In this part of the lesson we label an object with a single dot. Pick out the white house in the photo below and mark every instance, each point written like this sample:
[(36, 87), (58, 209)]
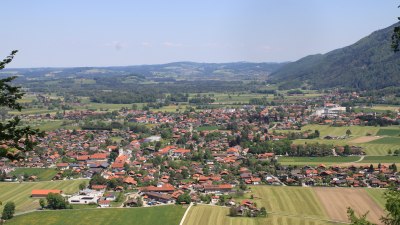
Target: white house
[(86, 196)]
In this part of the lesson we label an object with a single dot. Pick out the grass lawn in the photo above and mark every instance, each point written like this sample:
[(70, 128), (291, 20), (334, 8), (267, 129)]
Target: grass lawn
[(43, 174), (206, 128), (20, 193), (329, 160), (161, 215)]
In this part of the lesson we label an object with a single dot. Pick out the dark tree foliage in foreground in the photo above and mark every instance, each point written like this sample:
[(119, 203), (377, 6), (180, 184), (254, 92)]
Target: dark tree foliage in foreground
[(12, 134), (354, 220), (396, 38), (8, 211)]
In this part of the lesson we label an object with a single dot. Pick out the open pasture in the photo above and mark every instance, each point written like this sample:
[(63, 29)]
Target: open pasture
[(20, 193), (162, 215), (314, 161), (43, 174), (212, 215)]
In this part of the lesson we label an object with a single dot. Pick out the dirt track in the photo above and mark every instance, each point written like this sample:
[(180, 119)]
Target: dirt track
[(336, 201), (364, 139)]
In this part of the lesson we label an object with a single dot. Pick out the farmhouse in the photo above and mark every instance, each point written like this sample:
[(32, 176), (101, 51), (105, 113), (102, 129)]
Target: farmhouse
[(43, 193), (221, 188), (161, 188), (164, 198)]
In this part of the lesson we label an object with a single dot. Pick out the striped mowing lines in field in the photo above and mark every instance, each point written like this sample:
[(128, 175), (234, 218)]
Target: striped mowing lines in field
[(296, 206), (337, 200), (210, 215), (291, 200), (160, 215), (20, 193), (379, 149), (218, 215), (43, 174)]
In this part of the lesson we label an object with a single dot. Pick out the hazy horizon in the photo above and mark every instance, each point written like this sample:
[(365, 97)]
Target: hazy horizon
[(104, 34)]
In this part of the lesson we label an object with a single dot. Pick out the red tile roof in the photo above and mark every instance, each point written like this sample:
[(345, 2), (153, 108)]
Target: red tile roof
[(45, 192)]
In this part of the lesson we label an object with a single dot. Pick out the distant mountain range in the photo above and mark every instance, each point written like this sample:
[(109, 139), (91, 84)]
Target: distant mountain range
[(170, 71), (367, 64)]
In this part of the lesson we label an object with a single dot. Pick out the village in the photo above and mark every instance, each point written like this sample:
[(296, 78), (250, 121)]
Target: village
[(209, 156)]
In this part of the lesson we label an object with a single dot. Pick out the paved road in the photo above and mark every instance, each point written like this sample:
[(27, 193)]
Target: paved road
[(361, 159), (184, 215)]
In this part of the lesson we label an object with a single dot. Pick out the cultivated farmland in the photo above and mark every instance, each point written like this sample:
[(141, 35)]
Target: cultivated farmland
[(20, 193), (336, 201), (212, 215), (296, 205), (289, 200), (162, 215), (329, 160), (363, 136), (381, 159), (389, 132)]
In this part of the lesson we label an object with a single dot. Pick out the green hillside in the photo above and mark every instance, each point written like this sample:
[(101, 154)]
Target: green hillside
[(367, 64)]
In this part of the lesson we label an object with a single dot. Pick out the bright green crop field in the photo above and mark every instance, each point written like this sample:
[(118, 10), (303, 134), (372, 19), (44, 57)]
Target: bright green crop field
[(161, 215), (20, 193), (43, 174), (312, 161)]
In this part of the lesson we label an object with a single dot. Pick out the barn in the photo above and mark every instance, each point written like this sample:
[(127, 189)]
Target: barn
[(43, 193)]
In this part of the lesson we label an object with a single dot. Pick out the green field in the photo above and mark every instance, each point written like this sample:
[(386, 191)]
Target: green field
[(339, 131), (162, 215), (212, 215), (387, 140), (330, 160), (206, 128), (289, 200), (47, 125), (285, 205), (20, 193), (381, 159), (388, 132), (43, 174), (376, 147)]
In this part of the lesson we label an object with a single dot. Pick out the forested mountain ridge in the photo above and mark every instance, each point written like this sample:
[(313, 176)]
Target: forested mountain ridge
[(175, 70), (369, 63)]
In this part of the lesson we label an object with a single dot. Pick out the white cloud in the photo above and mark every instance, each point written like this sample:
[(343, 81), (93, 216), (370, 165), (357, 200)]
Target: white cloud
[(172, 45), (117, 45)]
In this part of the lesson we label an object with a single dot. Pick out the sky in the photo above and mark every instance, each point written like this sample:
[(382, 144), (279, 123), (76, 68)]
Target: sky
[(68, 33)]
